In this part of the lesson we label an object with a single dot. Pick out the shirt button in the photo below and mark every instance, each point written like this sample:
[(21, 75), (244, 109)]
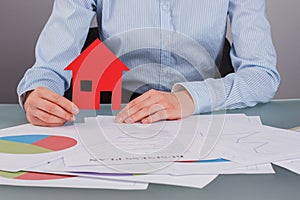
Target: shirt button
[(165, 7)]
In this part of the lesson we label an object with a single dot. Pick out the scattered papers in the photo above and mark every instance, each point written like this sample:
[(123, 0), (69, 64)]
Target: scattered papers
[(190, 179), (101, 154), (196, 181), (33, 179)]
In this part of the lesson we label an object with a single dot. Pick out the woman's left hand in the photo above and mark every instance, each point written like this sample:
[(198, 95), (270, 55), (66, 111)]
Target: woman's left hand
[(155, 106)]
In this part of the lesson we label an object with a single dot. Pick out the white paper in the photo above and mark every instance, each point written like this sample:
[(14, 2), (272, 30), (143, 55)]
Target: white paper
[(149, 138), (201, 168), (264, 146), (184, 145), (181, 168), (195, 181), (292, 165)]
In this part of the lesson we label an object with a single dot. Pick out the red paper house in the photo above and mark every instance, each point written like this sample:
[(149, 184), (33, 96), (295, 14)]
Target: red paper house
[(97, 69)]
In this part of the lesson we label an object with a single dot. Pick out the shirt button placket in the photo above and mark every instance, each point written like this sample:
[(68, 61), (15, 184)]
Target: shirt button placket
[(165, 39)]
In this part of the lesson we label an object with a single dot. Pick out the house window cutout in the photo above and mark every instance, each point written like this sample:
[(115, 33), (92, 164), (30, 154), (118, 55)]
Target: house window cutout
[(86, 86)]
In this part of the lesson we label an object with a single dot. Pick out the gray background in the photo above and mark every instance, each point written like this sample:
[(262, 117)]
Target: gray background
[(21, 21)]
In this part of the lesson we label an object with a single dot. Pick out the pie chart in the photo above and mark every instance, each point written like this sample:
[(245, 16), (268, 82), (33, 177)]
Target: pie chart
[(35, 144)]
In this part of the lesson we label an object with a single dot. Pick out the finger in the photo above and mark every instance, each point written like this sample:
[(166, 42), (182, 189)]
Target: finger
[(127, 112), (143, 113), (59, 100), (155, 117), (139, 102), (141, 98), (55, 110), (37, 122), (47, 117), (134, 102)]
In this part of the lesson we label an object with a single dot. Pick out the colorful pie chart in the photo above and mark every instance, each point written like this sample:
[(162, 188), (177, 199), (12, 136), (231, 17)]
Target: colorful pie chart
[(35, 144)]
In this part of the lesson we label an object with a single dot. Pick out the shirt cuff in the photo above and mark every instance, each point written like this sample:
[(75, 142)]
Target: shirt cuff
[(51, 85), (199, 93), (22, 99)]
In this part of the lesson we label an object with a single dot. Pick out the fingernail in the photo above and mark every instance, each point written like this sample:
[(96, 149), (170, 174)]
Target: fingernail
[(75, 109), (129, 120), (73, 118), (146, 121), (118, 119)]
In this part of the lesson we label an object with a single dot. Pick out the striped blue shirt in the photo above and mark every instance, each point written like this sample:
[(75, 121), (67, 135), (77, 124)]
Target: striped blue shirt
[(168, 44)]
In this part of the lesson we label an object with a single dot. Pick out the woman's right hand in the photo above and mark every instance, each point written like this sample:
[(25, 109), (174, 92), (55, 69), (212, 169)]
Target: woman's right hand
[(44, 107)]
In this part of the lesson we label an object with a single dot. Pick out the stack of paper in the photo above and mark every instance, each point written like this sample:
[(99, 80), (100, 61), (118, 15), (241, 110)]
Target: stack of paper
[(99, 153)]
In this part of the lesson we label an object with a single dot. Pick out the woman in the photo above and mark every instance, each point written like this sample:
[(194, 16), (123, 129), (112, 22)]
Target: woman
[(253, 57)]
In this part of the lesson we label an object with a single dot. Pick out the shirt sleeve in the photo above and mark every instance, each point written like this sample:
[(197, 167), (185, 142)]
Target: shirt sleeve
[(58, 45), (253, 56)]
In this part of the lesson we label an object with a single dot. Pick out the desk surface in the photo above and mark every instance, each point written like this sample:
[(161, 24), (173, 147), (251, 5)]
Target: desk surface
[(282, 185)]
